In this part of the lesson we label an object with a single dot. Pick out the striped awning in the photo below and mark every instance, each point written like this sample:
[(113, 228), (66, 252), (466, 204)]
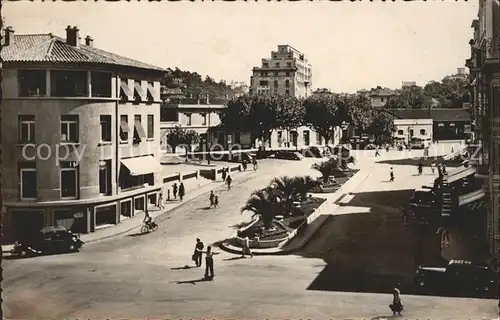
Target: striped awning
[(471, 197), (460, 174)]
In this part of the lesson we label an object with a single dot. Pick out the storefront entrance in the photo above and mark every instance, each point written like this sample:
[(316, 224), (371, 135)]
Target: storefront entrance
[(26, 224), (105, 215), (73, 220)]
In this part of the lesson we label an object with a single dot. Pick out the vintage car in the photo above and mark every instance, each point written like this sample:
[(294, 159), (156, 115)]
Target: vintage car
[(48, 241)]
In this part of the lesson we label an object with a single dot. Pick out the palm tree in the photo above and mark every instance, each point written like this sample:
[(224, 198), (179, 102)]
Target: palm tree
[(265, 204), (326, 168), (286, 188), (304, 185)]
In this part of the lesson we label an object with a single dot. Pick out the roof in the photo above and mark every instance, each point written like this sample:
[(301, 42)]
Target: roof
[(384, 92), (52, 49), (437, 114)]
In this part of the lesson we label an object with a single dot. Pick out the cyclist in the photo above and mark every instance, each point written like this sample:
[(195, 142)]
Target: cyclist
[(148, 221)]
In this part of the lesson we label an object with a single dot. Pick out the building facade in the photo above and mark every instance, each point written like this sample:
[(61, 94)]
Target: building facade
[(484, 74), (81, 130), (286, 72), (380, 96)]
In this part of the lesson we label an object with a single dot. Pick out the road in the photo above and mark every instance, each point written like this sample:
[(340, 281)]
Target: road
[(145, 276)]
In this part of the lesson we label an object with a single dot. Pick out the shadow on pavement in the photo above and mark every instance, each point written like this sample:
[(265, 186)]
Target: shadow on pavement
[(136, 234), (372, 251), (186, 267), (193, 282), (415, 161), (234, 258)]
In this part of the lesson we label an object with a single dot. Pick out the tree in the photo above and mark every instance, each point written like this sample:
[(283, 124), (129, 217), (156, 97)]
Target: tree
[(326, 168), (291, 112), (265, 204), (236, 115), (360, 112), (382, 126), (179, 136), (324, 113)]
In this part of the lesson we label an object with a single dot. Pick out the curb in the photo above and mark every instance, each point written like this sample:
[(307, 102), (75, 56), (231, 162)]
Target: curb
[(159, 216), (276, 252)]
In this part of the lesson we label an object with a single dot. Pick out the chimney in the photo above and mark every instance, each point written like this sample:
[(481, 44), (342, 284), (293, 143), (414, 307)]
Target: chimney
[(9, 36), (73, 36), (89, 41)]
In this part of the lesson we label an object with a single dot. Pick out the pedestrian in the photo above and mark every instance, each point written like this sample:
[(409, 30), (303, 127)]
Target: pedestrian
[(254, 162), (174, 189), (387, 148), (229, 180), (246, 248), (160, 201), (182, 191), (198, 252), (391, 175), (420, 168), (397, 305), (216, 201), (443, 167), (376, 152), (212, 198), (433, 166), (209, 263), (244, 164), (224, 173)]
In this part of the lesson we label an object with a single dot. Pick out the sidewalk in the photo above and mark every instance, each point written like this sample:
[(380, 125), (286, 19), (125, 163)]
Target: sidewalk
[(194, 189)]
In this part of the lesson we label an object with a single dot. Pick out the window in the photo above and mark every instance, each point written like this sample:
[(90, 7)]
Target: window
[(69, 128), (319, 139), (139, 94), (139, 133), (124, 128), (151, 126), (188, 119), (69, 179), (263, 82), (169, 114), (289, 64), (151, 92), (400, 132), (382, 99), (106, 128), (203, 119), (276, 74), (411, 132), (265, 65), (105, 177), (306, 137), (287, 83), (277, 64), (274, 56), (27, 181), (101, 84), (26, 128), (287, 91), (32, 83), (125, 92), (422, 132), (275, 83), (68, 83), (287, 74)]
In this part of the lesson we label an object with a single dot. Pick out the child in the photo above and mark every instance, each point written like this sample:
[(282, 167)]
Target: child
[(216, 201)]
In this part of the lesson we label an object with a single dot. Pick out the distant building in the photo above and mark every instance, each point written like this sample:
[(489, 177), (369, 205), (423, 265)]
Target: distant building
[(97, 116), (407, 84), (286, 72), (460, 75), (322, 92), (380, 96)]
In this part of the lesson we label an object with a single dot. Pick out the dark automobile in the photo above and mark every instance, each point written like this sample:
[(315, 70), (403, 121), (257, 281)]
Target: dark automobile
[(459, 277), (49, 240), (312, 152), (423, 205), (287, 155)]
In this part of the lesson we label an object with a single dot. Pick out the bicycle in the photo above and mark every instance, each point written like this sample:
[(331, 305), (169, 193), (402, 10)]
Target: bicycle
[(151, 227)]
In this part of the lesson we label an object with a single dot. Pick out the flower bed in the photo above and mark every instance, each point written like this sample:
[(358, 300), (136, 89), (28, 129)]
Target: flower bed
[(257, 231)]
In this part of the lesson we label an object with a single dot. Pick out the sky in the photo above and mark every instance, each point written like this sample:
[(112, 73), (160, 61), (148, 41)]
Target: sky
[(350, 45)]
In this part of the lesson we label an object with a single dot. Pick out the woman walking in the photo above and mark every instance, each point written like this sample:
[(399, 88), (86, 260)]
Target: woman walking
[(182, 191)]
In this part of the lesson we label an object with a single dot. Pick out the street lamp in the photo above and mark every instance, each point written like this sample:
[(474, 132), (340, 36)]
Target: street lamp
[(209, 135)]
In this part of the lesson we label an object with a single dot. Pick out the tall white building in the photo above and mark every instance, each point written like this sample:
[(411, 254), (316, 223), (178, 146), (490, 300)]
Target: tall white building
[(286, 72)]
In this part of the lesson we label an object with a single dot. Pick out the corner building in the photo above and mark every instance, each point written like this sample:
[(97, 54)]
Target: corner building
[(81, 134)]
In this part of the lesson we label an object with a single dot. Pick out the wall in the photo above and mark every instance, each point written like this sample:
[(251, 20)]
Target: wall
[(378, 102), (415, 124)]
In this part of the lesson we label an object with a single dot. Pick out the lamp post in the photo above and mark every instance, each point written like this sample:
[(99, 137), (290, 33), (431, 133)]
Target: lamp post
[(209, 135)]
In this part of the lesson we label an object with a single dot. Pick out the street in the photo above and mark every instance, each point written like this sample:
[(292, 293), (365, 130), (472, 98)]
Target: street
[(145, 276)]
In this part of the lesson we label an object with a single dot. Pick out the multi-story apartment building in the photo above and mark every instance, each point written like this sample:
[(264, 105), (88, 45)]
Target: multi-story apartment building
[(81, 134), (484, 66), (286, 72), (380, 96)]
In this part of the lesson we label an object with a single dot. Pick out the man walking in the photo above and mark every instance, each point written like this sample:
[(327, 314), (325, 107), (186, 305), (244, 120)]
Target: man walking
[(198, 252), (212, 198), (160, 201), (209, 263), (229, 180), (391, 175), (174, 189)]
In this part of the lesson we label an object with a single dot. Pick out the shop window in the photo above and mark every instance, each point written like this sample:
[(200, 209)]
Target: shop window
[(27, 180), (105, 177), (32, 83), (124, 128), (68, 83), (69, 180), (101, 84), (126, 208), (26, 128), (69, 128), (106, 128)]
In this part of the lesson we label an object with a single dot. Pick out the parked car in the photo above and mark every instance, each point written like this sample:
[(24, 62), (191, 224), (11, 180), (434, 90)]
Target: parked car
[(312, 152), (423, 205), (458, 277), (48, 241), (287, 155)]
